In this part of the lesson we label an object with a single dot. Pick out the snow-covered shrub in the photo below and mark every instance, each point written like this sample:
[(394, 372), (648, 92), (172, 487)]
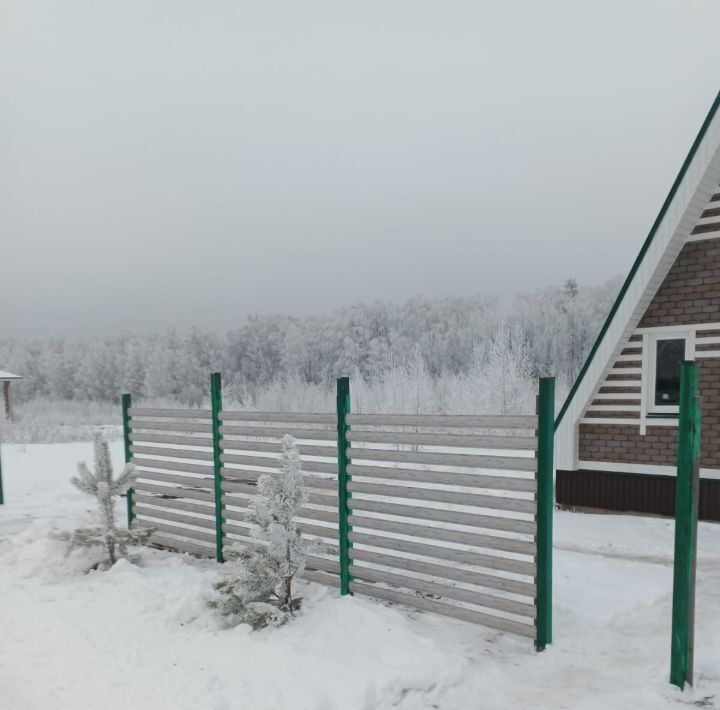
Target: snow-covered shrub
[(101, 485), (257, 588)]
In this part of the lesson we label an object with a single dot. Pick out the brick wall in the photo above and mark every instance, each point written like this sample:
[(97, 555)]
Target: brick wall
[(690, 292), (689, 295)]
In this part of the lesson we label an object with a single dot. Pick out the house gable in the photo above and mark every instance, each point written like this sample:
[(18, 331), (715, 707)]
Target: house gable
[(619, 427), (682, 218)]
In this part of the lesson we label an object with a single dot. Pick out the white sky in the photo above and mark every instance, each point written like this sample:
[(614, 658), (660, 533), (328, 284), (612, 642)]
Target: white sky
[(175, 162)]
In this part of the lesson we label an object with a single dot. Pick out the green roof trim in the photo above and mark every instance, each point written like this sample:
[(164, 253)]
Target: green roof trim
[(640, 256)]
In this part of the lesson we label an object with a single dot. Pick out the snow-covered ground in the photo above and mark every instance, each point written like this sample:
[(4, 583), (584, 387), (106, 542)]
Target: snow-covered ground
[(140, 636)]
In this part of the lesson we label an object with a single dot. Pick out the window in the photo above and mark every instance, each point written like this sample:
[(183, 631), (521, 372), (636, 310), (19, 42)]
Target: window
[(668, 356), (664, 377)]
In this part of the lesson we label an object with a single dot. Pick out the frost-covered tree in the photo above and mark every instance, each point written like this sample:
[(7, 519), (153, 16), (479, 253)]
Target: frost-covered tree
[(257, 588), (104, 488), (501, 378), (266, 353)]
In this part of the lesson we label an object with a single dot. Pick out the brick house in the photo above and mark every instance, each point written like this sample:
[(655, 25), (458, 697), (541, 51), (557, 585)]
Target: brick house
[(617, 431)]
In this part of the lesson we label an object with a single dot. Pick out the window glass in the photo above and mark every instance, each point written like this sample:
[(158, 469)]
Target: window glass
[(670, 353)]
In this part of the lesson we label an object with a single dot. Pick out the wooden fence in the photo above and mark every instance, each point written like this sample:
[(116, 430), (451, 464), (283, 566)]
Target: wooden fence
[(449, 514)]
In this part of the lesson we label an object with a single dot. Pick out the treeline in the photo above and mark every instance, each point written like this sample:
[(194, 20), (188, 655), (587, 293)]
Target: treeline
[(553, 328)]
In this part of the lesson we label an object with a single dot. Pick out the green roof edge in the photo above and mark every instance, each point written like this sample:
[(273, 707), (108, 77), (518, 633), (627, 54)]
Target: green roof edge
[(640, 256)]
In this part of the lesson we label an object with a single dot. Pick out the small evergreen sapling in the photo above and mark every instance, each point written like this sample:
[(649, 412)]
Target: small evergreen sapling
[(101, 484), (257, 589)]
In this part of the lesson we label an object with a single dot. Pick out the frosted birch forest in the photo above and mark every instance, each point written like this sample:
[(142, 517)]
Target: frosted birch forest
[(447, 355)]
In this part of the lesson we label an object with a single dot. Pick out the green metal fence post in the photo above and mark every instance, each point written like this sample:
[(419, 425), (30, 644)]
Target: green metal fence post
[(343, 409), (216, 407), (687, 487), (126, 402), (545, 503)]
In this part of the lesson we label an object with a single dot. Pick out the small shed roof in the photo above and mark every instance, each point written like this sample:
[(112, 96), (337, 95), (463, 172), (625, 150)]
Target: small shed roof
[(8, 376)]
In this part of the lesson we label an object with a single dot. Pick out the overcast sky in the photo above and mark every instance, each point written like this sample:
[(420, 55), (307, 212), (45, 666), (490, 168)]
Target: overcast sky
[(173, 162)]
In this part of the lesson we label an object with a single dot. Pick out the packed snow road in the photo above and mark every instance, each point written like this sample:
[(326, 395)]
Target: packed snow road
[(141, 635)]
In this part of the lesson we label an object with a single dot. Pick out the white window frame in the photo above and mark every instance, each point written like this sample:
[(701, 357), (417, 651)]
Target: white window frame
[(649, 408)]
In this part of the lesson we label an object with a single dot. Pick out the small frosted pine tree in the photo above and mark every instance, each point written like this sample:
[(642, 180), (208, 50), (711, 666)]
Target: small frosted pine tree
[(257, 588), (101, 485)]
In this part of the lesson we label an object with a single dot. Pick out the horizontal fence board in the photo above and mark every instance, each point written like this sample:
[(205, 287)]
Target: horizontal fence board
[(237, 475), (492, 542), (244, 460), (447, 554), (456, 612), (276, 432), (442, 421), (173, 491), (234, 528), (232, 487), (243, 528), (525, 443), (203, 427), (318, 498), (249, 474), (326, 516), (318, 531), (317, 483), (436, 495), (330, 580), (320, 563), (490, 522), (235, 516), (270, 462), (205, 482), (146, 512), (183, 545), (271, 447), (289, 417), (455, 593), (489, 581), (138, 436), (172, 452), (231, 544), (170, 413), (175, 504), (312, 559), (510, 463), (524, 484), (190, 533), (179, 466)]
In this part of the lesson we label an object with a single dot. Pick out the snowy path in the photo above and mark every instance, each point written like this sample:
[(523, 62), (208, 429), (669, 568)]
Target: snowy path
[(140, 636)]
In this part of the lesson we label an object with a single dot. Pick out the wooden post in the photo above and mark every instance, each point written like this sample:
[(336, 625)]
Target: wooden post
[(545, 504), (343, 409), (687, 487)]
